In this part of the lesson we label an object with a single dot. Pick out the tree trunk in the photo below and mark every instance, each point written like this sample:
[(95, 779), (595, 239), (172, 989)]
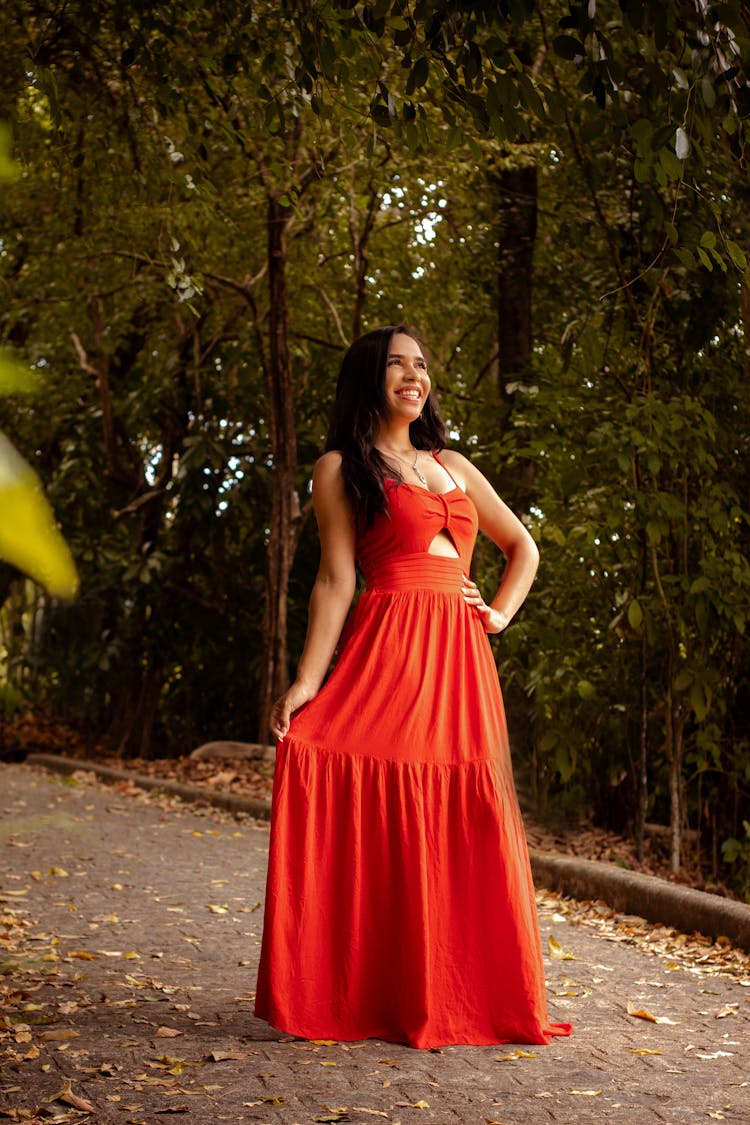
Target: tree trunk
[(642, 762), (517, 204), (285, 508)]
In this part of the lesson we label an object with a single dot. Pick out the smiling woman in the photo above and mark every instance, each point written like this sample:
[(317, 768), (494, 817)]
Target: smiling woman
[(399, 902)]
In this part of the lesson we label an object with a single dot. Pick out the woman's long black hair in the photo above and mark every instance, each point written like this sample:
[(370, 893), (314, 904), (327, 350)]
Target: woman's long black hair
[(357, 409)]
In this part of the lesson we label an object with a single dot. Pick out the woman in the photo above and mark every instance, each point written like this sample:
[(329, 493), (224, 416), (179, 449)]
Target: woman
[(399, 902)]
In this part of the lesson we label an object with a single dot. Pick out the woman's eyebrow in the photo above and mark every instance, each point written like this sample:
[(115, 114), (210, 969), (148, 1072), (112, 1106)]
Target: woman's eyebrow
[(398, 355)]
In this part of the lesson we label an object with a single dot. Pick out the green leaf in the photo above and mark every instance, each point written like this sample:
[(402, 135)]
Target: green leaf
[(29, 538), (418, 75), (684, 679), (669, 162), (704, 258), (708, 239), (708, 92), (698, 701), (671, 232), (635, 615), (585, 689), (565, 763), (16, 378), (737, 254), (568, 47), (9, 170)]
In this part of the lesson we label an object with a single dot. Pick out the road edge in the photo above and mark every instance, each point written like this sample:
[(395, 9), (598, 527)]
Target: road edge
[(628, 892)]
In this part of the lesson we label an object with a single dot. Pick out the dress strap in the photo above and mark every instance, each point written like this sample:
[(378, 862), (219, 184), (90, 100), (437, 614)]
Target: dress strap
[(442, 466)]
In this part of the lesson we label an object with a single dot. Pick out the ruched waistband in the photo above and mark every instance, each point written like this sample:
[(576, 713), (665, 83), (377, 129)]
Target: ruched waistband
[(417, 572)]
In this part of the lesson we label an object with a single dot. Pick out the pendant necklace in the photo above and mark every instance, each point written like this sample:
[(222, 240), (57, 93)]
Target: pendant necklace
[(416, 470), (413, 465)]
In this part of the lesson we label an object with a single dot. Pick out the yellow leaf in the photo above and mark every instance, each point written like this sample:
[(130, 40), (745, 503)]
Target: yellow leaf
[(643, 1051), (325, 1042), (218, 909), (9, 170), (15, 377), (644, 1014), (557, 951), (60, 872), (132, 956), (82, 955), (58, 1035), (29, 538), (585, 1093), (516, 1054)]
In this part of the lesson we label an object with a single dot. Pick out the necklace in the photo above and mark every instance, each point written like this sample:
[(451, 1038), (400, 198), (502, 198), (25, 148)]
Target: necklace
[(416, 470), (413, 466)]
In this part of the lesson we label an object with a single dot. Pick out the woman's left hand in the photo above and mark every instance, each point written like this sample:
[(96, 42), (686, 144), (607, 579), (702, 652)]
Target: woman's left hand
[(494, 620)]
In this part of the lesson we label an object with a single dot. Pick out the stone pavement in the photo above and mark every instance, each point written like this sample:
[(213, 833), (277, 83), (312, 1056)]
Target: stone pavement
[(129, 938)]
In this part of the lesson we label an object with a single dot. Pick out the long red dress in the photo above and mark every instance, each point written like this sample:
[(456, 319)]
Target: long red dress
[(399, 901)]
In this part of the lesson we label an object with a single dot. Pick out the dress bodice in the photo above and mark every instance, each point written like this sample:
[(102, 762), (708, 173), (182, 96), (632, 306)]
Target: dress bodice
[(404, 533)]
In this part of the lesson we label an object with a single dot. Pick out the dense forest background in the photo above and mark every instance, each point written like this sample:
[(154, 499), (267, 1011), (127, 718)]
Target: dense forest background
[(215, 199)]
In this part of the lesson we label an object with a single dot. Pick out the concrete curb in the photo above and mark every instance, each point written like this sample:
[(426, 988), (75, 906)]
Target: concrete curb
[(233, 802), (629, 892), (649, 897)]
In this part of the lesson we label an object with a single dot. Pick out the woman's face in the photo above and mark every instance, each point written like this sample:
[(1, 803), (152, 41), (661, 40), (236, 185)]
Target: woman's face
[(407, 383)]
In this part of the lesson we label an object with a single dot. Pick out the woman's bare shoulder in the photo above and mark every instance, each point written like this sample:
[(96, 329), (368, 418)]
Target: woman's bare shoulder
[(328, 482), (457, 465), (453, 458), (328, 467)]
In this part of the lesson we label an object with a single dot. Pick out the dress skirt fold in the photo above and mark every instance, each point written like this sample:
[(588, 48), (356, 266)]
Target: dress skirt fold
[(399, 901)]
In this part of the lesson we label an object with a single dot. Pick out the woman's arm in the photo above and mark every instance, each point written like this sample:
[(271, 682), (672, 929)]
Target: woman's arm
[(510, 535), (331, 595)]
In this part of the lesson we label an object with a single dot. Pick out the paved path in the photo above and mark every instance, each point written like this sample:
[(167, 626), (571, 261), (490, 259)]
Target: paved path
[(129, 946)]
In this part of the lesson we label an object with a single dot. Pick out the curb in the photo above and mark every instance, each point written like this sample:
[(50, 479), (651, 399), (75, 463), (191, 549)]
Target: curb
[(628, 892), (647, 896), (233, 802)]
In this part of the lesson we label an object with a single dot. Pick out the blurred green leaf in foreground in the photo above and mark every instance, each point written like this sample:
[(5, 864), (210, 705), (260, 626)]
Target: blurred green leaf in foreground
[(29, 538)]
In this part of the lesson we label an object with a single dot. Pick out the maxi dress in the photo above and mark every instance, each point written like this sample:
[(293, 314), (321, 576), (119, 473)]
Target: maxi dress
[(399, 901)]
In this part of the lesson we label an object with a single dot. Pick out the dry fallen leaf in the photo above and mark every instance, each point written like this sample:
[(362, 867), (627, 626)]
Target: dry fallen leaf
[(60, 872), (516, 1054), (220, 1056), (58, 1035), (643, 1051), (67, 1096), (584, 1093), (557, 951), (217, 909), (727, 1010), (168, 1033), (644, 1014), (374, 1112)]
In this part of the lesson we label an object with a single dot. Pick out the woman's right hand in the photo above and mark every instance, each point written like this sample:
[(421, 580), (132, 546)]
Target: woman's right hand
[(281, 713)]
